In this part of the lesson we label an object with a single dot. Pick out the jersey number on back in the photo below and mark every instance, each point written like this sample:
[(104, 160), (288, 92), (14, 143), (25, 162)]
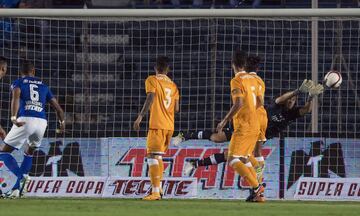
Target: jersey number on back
[(167, 100), (34, 94)]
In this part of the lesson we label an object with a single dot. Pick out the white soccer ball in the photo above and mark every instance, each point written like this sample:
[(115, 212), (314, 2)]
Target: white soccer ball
[(333, 79)]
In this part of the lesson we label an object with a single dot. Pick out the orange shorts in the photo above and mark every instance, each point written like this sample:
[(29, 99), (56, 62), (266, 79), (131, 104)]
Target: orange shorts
[(263, 120), (242, 145), (158, 141)]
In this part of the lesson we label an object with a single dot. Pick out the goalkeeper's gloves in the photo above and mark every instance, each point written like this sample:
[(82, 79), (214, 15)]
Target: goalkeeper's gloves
[(305, 86), (316, 90)]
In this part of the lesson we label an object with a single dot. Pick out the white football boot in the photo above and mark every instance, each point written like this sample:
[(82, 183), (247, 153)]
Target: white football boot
[(13, 194), (23, 185), (178, 139), (188, 168)]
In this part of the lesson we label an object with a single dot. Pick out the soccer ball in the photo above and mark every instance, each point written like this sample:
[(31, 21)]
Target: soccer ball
[(333, 79)]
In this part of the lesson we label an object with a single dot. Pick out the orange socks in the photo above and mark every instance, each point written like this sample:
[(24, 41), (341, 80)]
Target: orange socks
[(154, 173), (252, 170), (161, 167), (245, 171)]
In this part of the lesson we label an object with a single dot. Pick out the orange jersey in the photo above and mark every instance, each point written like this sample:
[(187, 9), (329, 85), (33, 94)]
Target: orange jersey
[(261, 87), (261, 111), (244, 85), (162, 110)]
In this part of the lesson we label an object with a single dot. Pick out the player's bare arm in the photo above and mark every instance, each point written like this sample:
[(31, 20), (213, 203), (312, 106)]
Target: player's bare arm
[(304, 88), (233, 110), (2, 133), (283, 98), (313, 92), (59, 113), (3, 69), (259, 101), (148, 102), (15, 103), (306, 108)]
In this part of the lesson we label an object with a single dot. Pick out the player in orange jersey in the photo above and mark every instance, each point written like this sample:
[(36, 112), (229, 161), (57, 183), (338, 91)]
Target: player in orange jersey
[(163, 102), (246, 98), (257, 160)]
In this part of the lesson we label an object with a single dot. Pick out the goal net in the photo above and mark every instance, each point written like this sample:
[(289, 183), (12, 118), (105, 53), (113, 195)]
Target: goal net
[(97, 68)]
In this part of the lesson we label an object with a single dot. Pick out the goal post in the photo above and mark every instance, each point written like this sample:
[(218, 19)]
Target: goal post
[(96, 62), (182, 13)]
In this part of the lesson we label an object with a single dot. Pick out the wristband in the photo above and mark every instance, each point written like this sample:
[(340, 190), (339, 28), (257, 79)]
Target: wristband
[(62, 122), (13, 118)]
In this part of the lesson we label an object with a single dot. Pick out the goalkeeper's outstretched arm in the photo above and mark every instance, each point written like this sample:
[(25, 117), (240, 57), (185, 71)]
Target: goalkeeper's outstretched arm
[(284, 97), (304, 88), (313, 92), (307, 107), (177, 106)]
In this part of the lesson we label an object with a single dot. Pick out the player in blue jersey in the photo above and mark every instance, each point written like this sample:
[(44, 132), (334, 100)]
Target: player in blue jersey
[(3, 69), (29, 97)]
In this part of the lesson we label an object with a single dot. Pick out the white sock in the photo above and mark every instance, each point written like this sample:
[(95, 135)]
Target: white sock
[(156, 190), (259, 159)]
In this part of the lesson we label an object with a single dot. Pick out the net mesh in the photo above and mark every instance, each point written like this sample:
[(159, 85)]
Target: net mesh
[(97, 69)]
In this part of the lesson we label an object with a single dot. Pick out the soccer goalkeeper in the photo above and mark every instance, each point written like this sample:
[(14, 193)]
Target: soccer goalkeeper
[(281, 113)]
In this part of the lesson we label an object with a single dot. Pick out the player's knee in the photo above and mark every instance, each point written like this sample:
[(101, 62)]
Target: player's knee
[(226, 155), (152, 161), (244, 160), (30, 150), (154, 156), (6, 148), (257, 153), (233, 161), (158, 157), (258, 149), (150, 155), (213, 138)]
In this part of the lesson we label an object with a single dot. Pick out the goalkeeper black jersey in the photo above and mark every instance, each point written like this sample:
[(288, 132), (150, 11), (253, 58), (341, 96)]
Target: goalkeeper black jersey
[(279, 118)]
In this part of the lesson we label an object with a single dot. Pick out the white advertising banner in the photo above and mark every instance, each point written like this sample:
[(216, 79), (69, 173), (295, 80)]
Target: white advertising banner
[(66, 186), (128, 160), (315, 157), (328, 189), (109, 187), (125, 158), (139, 187)]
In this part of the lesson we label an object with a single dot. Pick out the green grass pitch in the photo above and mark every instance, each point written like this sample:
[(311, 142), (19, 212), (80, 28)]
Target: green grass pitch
[(132, 207)]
